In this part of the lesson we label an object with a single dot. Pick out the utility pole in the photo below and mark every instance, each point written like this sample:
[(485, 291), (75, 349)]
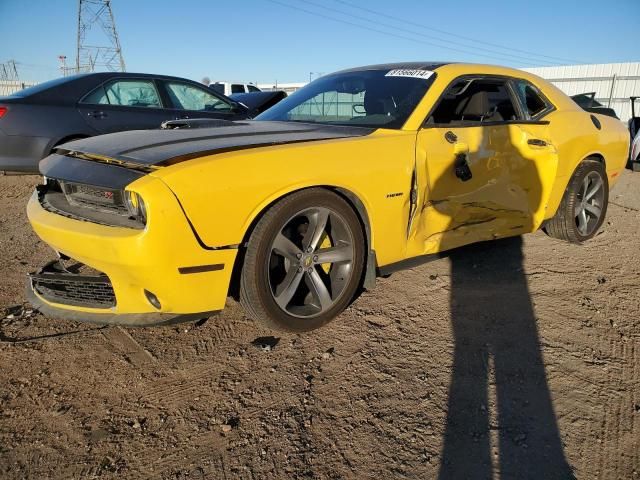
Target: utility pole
[(106, 53)]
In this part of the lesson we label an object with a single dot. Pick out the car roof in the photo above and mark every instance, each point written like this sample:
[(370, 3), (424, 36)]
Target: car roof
[(105, 75), (397, 66), (66, 90)]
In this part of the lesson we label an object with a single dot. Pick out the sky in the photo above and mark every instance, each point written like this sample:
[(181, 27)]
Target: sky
[(269, 41)]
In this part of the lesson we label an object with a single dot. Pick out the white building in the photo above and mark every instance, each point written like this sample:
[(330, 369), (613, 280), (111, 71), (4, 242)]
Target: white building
[(287, 87), (613, 83)]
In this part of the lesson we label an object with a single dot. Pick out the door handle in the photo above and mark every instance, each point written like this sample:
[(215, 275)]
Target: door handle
[(97, 114), (450, 137), (536, 142)]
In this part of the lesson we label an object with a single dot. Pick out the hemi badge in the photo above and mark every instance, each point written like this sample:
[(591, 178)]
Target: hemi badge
[(201, 268)]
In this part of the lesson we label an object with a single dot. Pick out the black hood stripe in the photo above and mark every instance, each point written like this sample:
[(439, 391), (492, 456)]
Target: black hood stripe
[(162, 147)]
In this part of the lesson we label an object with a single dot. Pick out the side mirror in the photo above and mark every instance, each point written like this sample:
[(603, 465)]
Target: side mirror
[(461, 165)]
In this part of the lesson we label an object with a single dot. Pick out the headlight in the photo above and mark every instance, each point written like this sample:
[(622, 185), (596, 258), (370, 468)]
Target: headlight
[(136, 206)]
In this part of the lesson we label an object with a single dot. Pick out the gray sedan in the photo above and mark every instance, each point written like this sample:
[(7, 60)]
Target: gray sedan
[(35, 120)]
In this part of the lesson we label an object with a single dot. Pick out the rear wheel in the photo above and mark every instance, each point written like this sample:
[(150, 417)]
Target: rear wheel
[(583, 206), (304, 261)]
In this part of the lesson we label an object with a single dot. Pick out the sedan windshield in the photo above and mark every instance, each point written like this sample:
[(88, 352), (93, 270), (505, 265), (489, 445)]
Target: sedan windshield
[(367, 98)]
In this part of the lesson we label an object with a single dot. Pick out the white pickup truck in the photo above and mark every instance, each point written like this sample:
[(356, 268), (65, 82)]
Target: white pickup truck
[(227, 88)]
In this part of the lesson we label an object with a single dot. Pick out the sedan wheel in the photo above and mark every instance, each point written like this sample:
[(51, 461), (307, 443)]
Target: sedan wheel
[(304, 261)]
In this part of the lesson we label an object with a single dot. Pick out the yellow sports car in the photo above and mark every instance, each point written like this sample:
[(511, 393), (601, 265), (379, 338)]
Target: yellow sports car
[(358, 174)]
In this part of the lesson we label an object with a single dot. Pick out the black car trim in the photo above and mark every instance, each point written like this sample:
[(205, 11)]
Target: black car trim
[(72, 169), (58, 285), (201, 268), (487, 124), (409, 263)]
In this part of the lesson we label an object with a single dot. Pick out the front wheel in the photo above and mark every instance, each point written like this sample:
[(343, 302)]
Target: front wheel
[(583, 206), (304, 261)]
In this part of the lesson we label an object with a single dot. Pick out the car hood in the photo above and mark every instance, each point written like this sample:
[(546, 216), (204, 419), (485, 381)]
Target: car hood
[(165, 147)]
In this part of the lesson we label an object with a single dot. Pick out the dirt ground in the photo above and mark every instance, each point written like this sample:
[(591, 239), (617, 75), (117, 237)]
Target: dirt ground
[(515, 359)]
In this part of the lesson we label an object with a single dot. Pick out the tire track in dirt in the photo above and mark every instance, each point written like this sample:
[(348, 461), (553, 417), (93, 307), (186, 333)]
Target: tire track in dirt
[(122, 342), (617, 430), (181, 385)]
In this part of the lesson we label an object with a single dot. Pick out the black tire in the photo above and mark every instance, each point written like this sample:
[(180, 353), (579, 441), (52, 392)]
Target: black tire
[(564, 224), (257, 294)]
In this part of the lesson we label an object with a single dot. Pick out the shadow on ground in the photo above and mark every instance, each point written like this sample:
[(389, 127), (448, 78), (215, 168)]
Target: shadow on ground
[(497, 348)]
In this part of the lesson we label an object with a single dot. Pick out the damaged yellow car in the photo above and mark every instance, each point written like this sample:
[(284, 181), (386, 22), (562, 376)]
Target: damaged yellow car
[(358, 174)]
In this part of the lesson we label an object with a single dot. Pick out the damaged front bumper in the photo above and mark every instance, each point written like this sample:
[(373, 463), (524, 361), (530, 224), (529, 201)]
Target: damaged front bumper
[(57, 283), (151, 276)]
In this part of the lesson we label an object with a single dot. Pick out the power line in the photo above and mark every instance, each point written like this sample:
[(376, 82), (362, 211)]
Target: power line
[(444, 32), (404, 37), (502, 55), (36, 66)]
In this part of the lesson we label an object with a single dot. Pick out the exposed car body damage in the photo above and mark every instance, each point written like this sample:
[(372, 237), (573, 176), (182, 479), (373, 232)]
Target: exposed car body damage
[(425, 183)]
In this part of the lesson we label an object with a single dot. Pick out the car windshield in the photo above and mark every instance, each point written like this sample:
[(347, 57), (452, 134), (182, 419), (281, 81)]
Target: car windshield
[(368, 98)]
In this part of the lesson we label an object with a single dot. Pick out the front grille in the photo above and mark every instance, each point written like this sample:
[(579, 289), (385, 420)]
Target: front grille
[(102, 199), (58, 285), (54, 200)]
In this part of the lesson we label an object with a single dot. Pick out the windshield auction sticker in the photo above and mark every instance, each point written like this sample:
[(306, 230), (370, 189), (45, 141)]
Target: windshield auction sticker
[(401, 72)]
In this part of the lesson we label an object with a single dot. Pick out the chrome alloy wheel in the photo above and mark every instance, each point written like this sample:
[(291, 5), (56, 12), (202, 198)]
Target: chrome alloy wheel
[(311, 262), (589, 203)]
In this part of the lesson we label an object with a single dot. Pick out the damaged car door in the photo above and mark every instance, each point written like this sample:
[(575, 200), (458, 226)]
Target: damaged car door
[(480, 176)]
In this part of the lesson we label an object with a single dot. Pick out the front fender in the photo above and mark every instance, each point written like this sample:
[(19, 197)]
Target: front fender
[(222, 195)]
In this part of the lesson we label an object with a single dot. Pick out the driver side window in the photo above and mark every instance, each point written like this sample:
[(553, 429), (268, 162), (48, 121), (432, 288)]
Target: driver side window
[(471, 101)]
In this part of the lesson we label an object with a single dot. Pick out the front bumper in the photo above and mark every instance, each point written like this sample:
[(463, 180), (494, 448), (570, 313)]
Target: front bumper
[(164, 259), (125, 319)]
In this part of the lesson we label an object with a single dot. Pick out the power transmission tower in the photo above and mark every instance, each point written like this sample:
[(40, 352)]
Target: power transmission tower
[(9, 71), (106, 53)]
